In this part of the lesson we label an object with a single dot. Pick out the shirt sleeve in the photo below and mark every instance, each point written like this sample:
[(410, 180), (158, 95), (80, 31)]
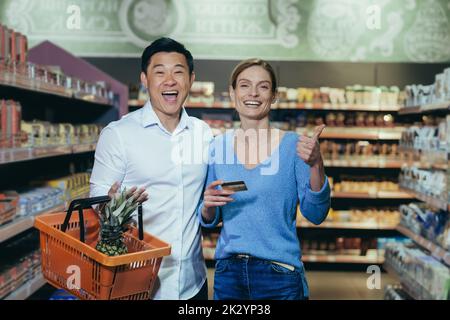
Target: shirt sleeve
[(314, 206), (210, 177), (109, 164)]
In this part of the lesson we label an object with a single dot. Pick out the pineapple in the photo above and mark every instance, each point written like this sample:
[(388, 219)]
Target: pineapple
[(115, 218)]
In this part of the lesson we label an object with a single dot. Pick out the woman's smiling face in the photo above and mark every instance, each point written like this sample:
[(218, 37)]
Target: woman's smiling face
[(253, 94)]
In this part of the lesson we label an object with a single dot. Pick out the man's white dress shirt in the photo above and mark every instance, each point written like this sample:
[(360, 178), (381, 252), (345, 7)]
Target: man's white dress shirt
[(138, 151)]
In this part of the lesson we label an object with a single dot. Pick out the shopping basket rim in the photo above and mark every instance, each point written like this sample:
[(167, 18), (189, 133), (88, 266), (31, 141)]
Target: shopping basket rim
[(163, 248)]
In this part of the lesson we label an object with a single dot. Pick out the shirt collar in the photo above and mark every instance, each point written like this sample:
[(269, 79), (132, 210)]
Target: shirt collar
[(150, 118)]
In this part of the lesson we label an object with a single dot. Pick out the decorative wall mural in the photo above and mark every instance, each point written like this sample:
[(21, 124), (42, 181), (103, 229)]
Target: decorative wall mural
[(428, 39), (334, 28), (325, 30)]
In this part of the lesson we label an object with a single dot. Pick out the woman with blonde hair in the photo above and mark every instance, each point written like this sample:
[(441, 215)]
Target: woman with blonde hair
[(258, 253)]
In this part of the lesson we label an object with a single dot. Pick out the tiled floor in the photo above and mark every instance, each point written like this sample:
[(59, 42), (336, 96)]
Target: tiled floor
[(336, 285)]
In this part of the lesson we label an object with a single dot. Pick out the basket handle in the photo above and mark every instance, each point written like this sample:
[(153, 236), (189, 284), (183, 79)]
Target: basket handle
[(80, 204)]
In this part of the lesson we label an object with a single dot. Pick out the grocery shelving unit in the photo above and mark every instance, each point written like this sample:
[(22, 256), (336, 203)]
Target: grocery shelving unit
[(432, 161), (134, 103), (20, 225), (428, 108), (54, 106), (28, 154)]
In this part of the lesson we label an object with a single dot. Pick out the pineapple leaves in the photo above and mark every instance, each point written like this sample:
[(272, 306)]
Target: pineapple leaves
[(116, 217), (120, 209)]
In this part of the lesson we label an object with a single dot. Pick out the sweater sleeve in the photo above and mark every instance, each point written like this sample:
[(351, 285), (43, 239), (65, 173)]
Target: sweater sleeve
[(314, 206), (210, 177)]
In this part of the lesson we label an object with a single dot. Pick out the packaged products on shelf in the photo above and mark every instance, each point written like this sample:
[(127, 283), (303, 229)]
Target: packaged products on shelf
[(429, 183), (219, 123), (10, 123), (33, 201), (201, 92), (383, 242), (375, 215), (432, 225), (43, 133), (352, 119), (395, 292), (351, 95), (74, 186), (429, 278), (9, 201), (21, 263), (428, 137), (338, 246), (358, 150), (364, 186), (421, 95)]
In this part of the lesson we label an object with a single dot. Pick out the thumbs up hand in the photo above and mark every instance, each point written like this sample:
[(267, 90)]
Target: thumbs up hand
[(308, 149)]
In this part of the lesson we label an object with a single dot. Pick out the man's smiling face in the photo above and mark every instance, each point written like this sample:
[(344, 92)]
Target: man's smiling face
[(168, 82)]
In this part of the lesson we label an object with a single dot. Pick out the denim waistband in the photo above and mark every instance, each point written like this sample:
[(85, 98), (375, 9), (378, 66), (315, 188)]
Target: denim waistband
[(248, 257)]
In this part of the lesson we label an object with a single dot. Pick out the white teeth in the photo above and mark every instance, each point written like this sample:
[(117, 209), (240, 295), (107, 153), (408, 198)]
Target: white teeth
[(252, 103), (170, 92)]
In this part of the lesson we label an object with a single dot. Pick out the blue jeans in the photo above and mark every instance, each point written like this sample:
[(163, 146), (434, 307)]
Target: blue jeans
[(254, 279)]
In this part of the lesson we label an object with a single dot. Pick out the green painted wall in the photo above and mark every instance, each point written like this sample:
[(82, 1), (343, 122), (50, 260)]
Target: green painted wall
[(319, 30)]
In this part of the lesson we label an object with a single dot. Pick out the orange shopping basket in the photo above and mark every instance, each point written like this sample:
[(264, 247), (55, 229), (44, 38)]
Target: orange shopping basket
[(71, 262)]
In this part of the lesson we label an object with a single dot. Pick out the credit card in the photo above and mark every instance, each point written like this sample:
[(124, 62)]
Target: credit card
[(234, 186)]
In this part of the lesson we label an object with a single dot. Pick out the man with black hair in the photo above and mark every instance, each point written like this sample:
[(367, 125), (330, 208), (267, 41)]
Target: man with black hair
[(162, 150)]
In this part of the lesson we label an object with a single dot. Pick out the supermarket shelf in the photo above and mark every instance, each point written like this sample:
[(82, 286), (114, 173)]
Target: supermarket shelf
[(418, 152), (361, 133), (26, 154), (435, 250), (427, 165), (59, 92), (347, 225), (377, 195), (425, 159), (426, 108), (343, 107), (436, 203), (285, 106), (377, 259), (20, 225), (334, 259), (27, 289), (381, 162)]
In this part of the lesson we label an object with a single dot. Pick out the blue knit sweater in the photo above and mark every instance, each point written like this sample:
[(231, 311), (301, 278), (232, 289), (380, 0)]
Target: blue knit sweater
[(261, 221)]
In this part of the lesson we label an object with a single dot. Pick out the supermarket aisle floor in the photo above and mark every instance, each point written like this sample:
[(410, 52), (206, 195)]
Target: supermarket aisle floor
[(334, 285)]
